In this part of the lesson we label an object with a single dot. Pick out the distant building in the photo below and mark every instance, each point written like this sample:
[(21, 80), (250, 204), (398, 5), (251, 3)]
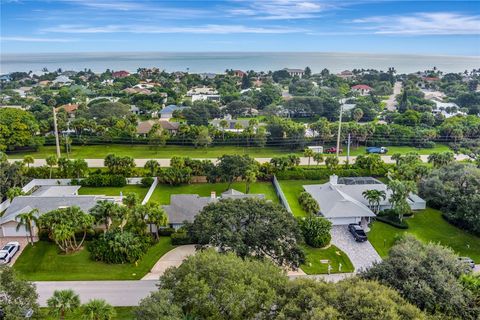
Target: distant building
[(203, 93), (137, 91), (167, 112), (70, 109), (238, 73), (120, 74), (362, 89), (346, 74), (62, 80), (144, 127), (233, 125), (184, 207), (295, 72)]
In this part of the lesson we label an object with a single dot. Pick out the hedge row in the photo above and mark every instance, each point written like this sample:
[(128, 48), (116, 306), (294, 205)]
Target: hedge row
[(102, 180), (393, 221), (298, 173)]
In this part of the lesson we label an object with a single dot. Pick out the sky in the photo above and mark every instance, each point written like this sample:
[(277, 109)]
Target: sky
[(415, 27)]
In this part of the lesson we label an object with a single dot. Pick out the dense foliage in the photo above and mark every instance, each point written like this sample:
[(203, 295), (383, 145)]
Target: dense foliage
[(316, 231), (18, 296)]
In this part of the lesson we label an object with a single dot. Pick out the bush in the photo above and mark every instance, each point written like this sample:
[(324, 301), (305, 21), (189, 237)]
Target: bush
[(390, 217), (166, 232), (147, 182), (115, 246), (299, 173), (103, 180), (308, 204), (181, 238), (316, 231)]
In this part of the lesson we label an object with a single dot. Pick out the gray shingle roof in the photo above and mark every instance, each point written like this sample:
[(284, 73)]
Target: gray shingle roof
[(56, 191)]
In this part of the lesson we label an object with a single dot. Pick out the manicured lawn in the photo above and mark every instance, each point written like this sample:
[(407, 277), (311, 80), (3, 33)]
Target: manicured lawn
[(427, 225), (114, 191), (335, 256), (43, 262), (163, 191), (145, 151), (292, 189), (122, 313)]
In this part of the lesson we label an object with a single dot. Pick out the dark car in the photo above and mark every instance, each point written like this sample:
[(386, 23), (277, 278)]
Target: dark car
[(333, 150), (357, 232)]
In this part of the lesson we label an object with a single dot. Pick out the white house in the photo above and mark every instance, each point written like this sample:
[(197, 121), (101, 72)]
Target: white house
[(341, 200), (295, 72), (362, 89)]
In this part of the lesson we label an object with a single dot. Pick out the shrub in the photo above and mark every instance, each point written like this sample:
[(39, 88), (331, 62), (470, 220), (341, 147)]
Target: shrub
[(316, 231), (308, 204), (181, 237), (115, 246), (147, 182), (165, 232), (103, 180)]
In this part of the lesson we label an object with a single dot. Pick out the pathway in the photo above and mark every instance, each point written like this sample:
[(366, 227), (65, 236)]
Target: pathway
[(172, 258), (98, 163), (362, 254), (391, 103)]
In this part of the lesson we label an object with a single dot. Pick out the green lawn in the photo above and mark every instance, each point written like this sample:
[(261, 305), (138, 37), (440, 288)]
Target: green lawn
[(145, 151), (122, 313), (291, 189), (114, 191), (426, 225), (43, 262), (335, 256), (163, 191)]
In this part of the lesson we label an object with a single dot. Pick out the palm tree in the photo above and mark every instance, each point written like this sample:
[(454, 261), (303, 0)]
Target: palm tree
[(308, 153), (104, 211), (28, 160), (131, 200), (79, 167), (152, 166), (250, 177), (318, 158), (14, 192), (26, 219), (396, 157), (223, 124), (63, 302), (51, 161), (97, 309), (155, 215), (374, 197)]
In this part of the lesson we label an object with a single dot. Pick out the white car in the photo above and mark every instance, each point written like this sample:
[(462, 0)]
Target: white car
[(8, 251)]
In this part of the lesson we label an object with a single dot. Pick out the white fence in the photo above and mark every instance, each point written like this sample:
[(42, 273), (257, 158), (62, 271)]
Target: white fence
[(280, 195), (150, 191)]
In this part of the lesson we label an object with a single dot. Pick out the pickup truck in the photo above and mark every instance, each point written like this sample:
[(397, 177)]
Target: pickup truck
[(333, 150), (381, 150)]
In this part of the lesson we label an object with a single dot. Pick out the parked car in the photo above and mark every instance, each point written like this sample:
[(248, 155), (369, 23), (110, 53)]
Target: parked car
[(357, 232), (333, 150), (468, 261), (380, 150), (9, 251)]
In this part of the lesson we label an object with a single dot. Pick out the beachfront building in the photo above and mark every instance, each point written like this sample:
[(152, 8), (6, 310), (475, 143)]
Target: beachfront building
[(295, 72)]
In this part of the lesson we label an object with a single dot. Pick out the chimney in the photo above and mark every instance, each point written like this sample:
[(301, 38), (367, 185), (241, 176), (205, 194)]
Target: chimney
[(213, 195), (333, 179)]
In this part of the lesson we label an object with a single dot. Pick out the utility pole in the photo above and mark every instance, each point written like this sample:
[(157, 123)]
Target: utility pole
[(339, 130), (57, 142), (348, 149)]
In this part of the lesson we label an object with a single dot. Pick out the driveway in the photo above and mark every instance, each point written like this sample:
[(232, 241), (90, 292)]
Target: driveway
[(23, 243), (172, 258), (362, 254), (391, 103)]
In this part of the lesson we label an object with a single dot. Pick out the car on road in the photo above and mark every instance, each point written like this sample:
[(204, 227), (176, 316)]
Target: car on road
[(379, 150), (467, 261), (357, 232), (333, 150), (9, 251)]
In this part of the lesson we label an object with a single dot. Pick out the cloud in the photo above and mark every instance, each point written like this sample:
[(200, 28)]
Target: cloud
[(202, 29), (283, 9), (33, 39), (435, 23)]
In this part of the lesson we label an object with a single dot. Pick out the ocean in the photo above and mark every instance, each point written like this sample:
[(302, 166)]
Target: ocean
[(218, 62)]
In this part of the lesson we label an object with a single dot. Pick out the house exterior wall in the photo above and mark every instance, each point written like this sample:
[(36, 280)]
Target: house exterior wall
[(344, 221), (9, 229)]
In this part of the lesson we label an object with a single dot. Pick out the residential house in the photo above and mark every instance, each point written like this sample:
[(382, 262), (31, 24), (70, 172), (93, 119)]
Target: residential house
[(137, 90), (233, 125), (295, 72), (238, 73), (70, 109), (203, 93), (184, 207), (346, 74), (167, 112), (342, 202), (62, 80), (144, 127), (120, 74), (44, 199), (362, 89)]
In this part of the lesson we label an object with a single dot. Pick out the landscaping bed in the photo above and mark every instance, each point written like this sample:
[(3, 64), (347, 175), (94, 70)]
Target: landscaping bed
[(426, 225), (43, 262)]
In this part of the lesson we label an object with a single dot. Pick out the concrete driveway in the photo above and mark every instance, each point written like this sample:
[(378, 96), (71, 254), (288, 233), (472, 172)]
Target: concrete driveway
[(362, 254), (23, 243), (172, 258)]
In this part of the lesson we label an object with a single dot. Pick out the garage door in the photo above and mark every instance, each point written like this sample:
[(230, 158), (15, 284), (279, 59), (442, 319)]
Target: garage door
[(344, 221)]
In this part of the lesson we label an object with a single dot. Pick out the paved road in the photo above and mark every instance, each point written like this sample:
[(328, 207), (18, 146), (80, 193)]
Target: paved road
[(391, 103), (117, 293), (98, 163)]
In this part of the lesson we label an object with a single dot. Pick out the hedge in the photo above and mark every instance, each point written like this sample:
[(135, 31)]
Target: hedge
[(393, 221), (298, 173), (181, 238), (103, 180)]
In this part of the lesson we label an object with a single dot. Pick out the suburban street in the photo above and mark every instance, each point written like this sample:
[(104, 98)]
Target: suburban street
[(98, 163), (391, 103)]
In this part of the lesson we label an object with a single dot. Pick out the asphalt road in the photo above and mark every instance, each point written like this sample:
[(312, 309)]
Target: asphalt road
[(98, 163), (117, 293)]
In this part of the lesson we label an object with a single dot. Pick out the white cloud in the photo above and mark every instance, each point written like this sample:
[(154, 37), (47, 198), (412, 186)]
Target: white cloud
[(203, 29), (33, 39), (436, 23)]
